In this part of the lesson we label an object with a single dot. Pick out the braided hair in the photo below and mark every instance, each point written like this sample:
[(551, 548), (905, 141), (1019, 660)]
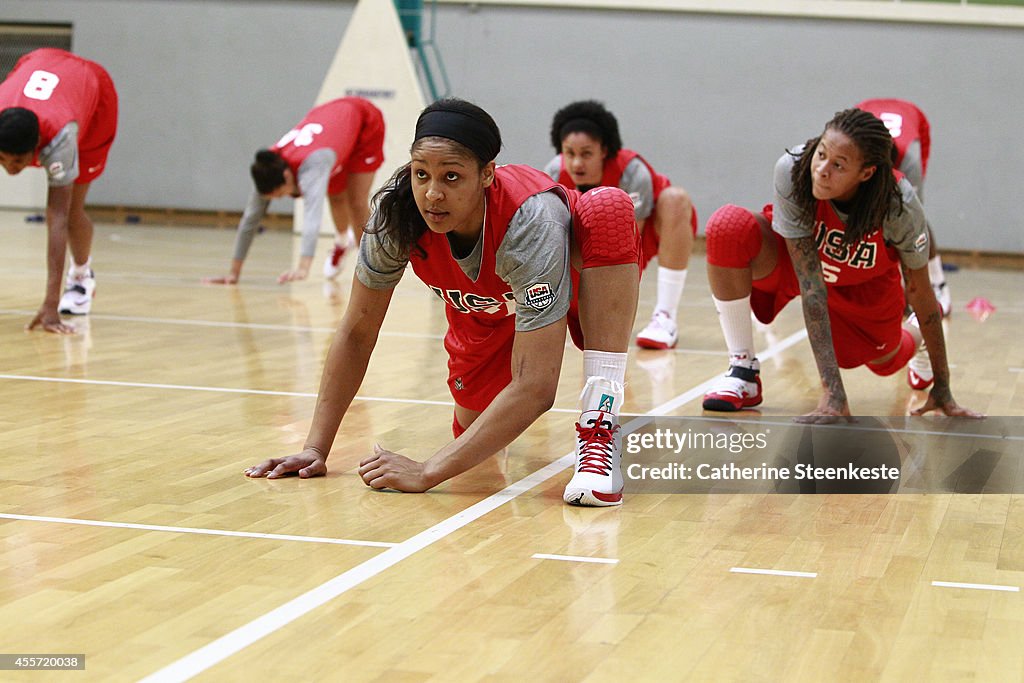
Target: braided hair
[(877, 198)]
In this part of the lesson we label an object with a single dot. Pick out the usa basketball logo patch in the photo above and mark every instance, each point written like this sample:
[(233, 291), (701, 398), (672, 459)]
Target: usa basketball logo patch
[(921, 242), (539, 296)]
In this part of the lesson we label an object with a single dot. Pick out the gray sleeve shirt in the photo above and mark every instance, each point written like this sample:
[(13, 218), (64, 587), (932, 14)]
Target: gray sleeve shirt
[(786, 213), (534, 253), (313, 178), (255, 211), (906, 232), (637, 182), (60, 157), (912, 166), (554, 167)]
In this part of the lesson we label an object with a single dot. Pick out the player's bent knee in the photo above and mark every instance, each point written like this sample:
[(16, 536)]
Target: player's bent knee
[(899, 359), (733, 237), (676, 199), (606, 228)]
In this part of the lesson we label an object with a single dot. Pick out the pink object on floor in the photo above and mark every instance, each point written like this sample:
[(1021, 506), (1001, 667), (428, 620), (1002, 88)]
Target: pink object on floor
[(981, 308)]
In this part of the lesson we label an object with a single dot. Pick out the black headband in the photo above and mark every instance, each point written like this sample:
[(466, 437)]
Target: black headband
[(464, 129)]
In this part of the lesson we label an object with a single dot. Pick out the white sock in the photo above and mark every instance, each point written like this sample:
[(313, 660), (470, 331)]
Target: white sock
[(670, 289), (80, 270), (606, 376), (935, 274), (606, 364), (734, 317)]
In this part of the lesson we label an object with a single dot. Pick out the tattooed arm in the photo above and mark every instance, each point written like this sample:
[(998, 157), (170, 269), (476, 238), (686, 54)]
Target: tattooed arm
[(921, 298), (833, 402)]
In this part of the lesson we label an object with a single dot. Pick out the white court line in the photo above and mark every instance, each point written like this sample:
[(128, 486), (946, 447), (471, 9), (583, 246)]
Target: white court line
[(231, 325), (774, 572), (232, 390), (192, 530), (207, 656), (229, 390), (220, 649), (856, 428), (575, 558), (977, 586)]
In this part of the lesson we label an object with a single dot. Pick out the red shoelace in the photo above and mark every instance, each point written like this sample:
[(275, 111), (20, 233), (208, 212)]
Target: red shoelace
[(597, 445)]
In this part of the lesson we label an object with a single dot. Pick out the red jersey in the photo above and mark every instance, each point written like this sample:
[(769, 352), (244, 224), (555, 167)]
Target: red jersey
[(613, 169), (488, 298), (333, 125), (481, 324), (611, 176), (59, 88), (905, 122), (856, 264), (865, 288)]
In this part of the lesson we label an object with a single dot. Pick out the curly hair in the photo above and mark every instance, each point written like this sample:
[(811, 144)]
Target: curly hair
[(590, 117), (395, 213), (877, 198)]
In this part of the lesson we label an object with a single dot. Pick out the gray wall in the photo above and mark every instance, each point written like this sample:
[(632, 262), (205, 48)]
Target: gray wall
[(710, 100), (202, 85)]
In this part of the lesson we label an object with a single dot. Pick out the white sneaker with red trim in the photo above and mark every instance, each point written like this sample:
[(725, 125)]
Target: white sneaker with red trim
[(332, 266), (597, 476), (737, 389), (660, 333)]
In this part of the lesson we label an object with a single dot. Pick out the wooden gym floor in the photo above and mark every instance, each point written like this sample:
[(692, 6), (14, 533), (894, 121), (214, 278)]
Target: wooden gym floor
[(128, 533)]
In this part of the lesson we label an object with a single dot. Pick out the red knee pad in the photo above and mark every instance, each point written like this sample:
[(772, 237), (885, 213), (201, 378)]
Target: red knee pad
[(606, 228), (899, 359), (733, 237)]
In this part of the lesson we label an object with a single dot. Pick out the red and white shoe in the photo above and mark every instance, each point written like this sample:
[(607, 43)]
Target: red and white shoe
[(737, 389), (332, 266), (660, 333), (916, 381), (919, 369), (597, 477)]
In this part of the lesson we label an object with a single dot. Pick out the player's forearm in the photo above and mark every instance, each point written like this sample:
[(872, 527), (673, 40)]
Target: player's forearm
[(935, 342), (56, 248), (814, 298), (255, 211), (516, 408), (344, 370), (346, 363)]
